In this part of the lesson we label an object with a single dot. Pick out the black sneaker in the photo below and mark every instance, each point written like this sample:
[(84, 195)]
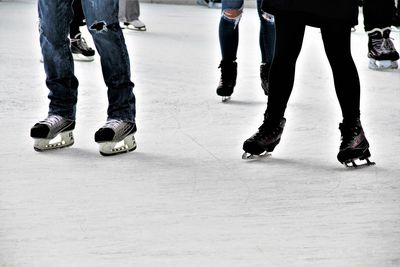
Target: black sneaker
[(80, 49)]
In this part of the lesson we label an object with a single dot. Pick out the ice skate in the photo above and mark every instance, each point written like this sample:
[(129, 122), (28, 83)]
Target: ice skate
[(354, 148), (264, 140), (228, 80), (264, 75), (136, 25), (52, 133), (116, 137), (382, 53), (80, 49)]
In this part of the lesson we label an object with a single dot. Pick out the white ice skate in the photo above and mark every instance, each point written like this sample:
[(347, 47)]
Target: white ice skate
[(116, 137), (52, 133), (136, 25)]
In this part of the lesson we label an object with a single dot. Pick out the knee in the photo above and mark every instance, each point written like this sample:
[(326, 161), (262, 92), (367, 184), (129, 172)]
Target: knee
[(233, 15), (102, 26)]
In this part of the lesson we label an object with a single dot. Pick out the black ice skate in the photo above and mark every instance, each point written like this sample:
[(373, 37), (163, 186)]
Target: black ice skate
[(381, 51), (264, 75), (116, 137), (265, 140), (354, 145), (52, 133), (228, 79), (80, 50)]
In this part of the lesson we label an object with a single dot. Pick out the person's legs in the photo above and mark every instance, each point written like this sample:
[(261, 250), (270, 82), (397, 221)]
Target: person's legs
[(229, 41), (77, 19), (336, 38), (289, 39), (229, 28), (267, 45), (102, 21), (55, 17), (354, 145), (129, 12)]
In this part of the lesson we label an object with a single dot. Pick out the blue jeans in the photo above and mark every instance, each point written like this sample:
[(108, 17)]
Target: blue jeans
[(229, 32), (102, 20)]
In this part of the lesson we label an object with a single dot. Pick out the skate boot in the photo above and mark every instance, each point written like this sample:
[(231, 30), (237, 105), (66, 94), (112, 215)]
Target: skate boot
[(136, 25), (354, 145), (53, 132), (80, 50), (264, 75), (228, 79), (116, 137), (394, 55), (381, 52), (265, 140)]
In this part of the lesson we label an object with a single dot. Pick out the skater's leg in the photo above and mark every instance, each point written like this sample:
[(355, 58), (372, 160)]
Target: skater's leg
[(377, 14), (267, 45), (267, 35), (336, 38), (229, 41), (55, 17), (289, 38), (77, 18), (102, 21), (229, 28)]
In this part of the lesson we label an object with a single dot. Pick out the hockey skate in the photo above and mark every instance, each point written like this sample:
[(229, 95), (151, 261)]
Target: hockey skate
[(116, 137), (80, 49), (228, 80), (382, 53), (354, 146), (52, 133), (264, 75), (264, 140)]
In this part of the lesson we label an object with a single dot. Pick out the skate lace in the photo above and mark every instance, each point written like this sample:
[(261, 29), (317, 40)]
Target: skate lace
[(388, 44), (81, 42), (52, 120), (113, 124)]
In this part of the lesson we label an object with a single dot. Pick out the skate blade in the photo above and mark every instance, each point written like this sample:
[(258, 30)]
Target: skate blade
[(358, 163), (82, 58), (225, 99), (115, 148), (62, 140), (382, 64), (249, 156)]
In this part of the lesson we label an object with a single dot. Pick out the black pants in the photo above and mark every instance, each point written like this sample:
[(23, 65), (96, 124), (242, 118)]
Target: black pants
[(77, 19), (290, 29), (378, 13)]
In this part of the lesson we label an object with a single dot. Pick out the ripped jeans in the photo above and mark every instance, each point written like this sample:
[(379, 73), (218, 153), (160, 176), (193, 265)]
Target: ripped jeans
[(229, 32), (102, 20)]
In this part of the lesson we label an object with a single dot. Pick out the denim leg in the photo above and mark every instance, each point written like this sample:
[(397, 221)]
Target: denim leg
[(102, 22), (267, 35), (229, 30), (55, 17)]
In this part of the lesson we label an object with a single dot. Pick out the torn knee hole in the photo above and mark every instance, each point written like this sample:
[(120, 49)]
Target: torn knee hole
[(232, 14), (99, 26)]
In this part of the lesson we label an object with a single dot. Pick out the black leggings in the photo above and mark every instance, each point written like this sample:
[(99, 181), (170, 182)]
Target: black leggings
[(289, 38), (377, 13), (77, 19)]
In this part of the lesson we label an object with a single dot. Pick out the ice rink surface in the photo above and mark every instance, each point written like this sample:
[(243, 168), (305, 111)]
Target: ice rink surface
[(185, 197)]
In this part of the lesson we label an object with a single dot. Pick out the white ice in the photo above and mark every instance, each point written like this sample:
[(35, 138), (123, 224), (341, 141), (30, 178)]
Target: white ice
[(185, 197)]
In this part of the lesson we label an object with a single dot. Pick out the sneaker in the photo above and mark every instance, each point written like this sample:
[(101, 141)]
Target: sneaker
[(80, 49), (115, 137), (53, 132)]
